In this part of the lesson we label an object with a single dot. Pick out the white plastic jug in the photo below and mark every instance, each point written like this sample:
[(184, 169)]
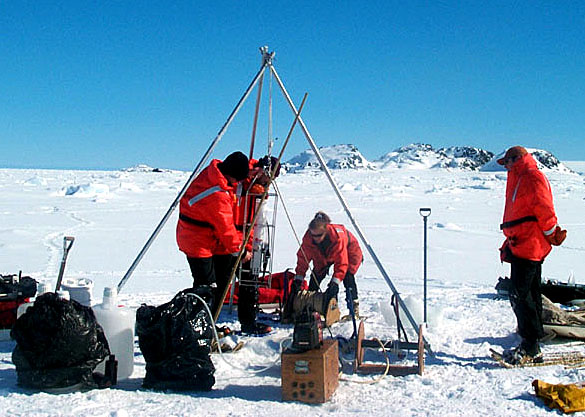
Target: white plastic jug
[(118, 325), (80, 289)]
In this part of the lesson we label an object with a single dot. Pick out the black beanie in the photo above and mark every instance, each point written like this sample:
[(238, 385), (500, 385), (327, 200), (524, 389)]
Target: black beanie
[(235, 165)]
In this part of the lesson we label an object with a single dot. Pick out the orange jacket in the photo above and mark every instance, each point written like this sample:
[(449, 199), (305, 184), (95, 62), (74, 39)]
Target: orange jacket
[(343, 252), (529, 214), (206, 219), (245, 201)]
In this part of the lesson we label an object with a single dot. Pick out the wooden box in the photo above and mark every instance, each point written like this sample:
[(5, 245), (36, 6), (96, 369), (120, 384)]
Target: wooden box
[(312, 376)]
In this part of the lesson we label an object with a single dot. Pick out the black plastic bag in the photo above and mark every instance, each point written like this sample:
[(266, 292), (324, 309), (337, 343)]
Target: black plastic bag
[(175, 340), (58, 344)]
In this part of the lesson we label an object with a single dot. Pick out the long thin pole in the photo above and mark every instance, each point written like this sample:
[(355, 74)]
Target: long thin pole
[(255, 124), (192, 177), (425, 212), (425, 272), (346, 208)]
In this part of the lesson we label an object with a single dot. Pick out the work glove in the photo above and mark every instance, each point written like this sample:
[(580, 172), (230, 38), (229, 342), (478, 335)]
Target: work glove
[(557, 237), (332, 290), (505, 252)]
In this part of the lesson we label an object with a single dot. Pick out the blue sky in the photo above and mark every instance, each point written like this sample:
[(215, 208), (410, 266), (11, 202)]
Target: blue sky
[(110, 84)]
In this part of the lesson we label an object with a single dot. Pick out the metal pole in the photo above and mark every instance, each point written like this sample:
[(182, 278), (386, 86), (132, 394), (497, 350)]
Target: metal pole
[(346, 208), (192, 177), (425, 212)]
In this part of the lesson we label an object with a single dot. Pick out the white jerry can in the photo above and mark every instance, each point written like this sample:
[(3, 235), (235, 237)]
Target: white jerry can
[(118, 325)]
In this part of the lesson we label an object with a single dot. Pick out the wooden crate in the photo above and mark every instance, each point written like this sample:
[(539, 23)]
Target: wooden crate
[(312, 376)]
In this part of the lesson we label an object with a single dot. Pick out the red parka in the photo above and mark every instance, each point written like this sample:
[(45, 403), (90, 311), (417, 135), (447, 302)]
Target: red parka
[(244, 191), (529, 214), (344, 253), (206, 216)]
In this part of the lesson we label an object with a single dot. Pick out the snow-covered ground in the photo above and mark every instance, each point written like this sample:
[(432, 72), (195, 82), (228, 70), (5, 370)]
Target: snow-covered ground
[(111, 215)]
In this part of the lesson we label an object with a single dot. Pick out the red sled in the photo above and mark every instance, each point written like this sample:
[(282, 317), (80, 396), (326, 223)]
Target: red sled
[(272, 288)]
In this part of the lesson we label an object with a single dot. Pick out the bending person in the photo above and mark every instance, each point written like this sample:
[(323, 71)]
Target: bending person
[(325, 244)]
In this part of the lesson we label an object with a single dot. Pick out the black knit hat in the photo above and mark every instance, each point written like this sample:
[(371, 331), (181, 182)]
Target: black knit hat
[(235, 165)]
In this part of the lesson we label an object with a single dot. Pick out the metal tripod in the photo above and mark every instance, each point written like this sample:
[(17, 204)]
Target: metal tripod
[(267, 63)]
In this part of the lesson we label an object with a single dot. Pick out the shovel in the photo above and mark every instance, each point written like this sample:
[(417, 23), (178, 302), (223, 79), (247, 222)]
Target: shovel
[(67, 243)]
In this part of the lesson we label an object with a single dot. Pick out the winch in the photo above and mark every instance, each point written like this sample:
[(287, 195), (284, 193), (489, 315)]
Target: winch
[(308, 331)]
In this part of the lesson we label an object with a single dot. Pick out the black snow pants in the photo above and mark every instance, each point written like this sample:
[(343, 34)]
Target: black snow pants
[(247, 297), (526, 298), (213, 272)]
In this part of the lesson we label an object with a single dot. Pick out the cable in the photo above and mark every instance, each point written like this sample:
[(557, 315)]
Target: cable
[(374, 381), (219, 344)]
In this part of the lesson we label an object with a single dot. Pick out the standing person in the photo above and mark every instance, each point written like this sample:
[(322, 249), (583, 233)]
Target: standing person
[(206, 222), (327, 244), (530, 226), (249, 196)]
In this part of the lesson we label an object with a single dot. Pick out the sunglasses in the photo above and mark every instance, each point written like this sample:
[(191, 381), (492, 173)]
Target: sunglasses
[(316, 235)]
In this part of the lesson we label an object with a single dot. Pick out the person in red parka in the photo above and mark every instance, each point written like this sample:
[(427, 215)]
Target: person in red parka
[(530, 226), (327, 244), (206, 223)]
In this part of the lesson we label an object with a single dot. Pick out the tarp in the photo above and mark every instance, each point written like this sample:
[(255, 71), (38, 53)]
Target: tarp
[(272, 288), (568, 398)]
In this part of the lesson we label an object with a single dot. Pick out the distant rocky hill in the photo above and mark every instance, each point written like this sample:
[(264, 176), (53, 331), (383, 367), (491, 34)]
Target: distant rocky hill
[(336, 157), (423, 156), (415, 156)]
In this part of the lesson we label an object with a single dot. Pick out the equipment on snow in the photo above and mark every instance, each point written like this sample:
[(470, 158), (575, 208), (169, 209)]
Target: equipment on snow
[(308, 332), (15, 290), (561, 292), (315, 301), (58, 344), (568, 359), (118, 324), (392, 346), (311, 376), (175, 340)]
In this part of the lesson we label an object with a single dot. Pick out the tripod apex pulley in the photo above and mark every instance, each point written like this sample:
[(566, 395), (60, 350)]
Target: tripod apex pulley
[(266, 56)]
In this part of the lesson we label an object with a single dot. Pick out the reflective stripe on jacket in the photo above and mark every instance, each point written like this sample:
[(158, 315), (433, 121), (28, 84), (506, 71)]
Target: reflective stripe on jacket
[(344, 253), (209, 200), (529, 199)]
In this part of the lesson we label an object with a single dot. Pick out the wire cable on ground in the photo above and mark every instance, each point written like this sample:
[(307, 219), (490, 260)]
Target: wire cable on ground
[(217, 340), (374, 381)]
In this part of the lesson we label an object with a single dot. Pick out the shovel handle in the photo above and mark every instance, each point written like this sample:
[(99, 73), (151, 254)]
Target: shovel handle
[(67, 243)]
